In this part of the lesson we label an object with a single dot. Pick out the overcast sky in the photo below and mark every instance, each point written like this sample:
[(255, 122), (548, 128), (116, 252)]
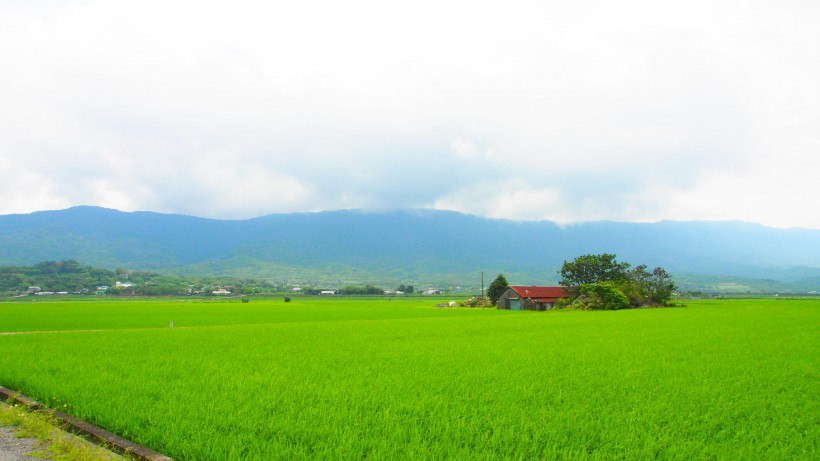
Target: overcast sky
[(629, 110)]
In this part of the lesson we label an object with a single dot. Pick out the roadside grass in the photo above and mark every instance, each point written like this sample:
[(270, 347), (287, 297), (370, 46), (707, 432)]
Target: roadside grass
[(398, 380), (53, 442)]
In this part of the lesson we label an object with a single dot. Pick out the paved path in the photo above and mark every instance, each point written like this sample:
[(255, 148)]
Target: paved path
[(12, 448)]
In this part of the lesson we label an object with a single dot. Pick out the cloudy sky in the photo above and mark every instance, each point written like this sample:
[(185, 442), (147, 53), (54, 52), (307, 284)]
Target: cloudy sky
[(630, 110)]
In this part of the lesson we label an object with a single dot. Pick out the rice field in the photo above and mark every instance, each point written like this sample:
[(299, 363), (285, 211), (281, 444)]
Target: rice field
[(322, 378)]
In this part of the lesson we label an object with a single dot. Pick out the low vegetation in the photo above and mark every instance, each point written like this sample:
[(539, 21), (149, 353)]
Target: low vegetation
[(600, 282), (52, 441), (331, 378)]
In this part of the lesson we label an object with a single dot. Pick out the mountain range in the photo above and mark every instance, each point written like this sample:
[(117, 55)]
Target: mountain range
[(428, 247)]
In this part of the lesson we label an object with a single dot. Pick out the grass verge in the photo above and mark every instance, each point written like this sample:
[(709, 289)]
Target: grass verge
[(53, 443)]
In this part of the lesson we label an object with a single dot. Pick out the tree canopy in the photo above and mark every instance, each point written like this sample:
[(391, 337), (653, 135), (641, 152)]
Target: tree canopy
[(497, 288), (601, 282), (593, 269)]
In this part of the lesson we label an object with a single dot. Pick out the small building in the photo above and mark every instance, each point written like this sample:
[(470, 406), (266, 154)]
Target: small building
[(221, 292), (431, 291), (327, 292), (530, 298)]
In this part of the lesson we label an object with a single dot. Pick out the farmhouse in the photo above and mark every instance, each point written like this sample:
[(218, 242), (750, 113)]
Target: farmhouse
[(530, 298)]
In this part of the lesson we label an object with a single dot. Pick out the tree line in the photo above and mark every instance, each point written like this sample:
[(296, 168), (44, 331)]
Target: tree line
[(72, 277)]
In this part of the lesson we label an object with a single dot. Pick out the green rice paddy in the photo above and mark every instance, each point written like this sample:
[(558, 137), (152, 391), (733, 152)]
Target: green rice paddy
[(322, 378)]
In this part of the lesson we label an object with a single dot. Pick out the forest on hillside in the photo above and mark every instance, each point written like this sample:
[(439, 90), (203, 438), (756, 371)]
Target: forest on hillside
[(71, 277)]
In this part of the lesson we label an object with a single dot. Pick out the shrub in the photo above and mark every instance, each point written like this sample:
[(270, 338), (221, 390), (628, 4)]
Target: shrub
[(601, 296)]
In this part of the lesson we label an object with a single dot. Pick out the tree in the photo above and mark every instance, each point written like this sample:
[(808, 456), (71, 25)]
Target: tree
[(497, 288), (649, 288), (660, 287), (636, 287), (601, 282), (589, 269), (601, 296)]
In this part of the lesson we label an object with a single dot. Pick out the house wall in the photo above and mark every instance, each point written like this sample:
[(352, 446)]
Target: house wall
[(530, 305), (504, 299), (526, 304), (542, 306)]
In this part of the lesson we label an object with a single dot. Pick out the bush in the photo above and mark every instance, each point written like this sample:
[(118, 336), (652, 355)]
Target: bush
[(600, 296), (287, 299), (474, 302)]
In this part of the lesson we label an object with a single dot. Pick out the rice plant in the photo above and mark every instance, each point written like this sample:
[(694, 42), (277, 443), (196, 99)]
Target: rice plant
[(350, 379)]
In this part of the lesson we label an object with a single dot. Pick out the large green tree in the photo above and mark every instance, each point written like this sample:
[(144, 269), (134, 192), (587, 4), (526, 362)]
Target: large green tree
[(589, 269), (497, 288), (601, 282)]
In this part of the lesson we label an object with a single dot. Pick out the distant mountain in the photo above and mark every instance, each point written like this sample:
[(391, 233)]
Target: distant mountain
[(424, 246)]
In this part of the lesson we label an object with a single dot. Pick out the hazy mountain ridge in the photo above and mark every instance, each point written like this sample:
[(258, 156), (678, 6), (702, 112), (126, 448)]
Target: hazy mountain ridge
[(420, 245)]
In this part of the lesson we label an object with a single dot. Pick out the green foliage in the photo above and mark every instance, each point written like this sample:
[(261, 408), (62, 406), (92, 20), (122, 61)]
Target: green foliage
[(603, 276), (365, 290), (588, 269), (660, 287), (67, 276), (54, 442), (74, 278), (648, 288), (600, 296), (341, 379), (406, 289), (497, 288)]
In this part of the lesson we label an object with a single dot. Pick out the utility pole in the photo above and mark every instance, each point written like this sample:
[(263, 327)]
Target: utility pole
[(482, 288)]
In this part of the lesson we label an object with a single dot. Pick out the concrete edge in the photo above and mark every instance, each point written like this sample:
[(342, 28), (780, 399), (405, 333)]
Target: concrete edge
[(90, 431)]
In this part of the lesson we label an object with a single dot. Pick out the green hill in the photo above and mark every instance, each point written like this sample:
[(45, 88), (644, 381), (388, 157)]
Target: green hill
[(424, 246)]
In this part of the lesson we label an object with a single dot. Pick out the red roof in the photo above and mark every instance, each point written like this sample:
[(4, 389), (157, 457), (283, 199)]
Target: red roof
[(540, 294)]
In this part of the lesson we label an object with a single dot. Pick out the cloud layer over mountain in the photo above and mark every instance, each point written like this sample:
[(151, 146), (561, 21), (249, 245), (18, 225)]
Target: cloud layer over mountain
[(569, 111)]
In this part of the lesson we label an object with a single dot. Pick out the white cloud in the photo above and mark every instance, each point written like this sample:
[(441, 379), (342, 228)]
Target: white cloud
[(465, 149), (635, 110)]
